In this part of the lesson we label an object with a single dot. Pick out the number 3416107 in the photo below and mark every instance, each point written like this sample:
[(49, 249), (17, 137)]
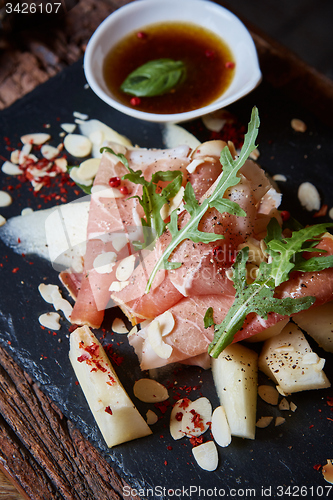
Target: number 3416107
[(32, 8)]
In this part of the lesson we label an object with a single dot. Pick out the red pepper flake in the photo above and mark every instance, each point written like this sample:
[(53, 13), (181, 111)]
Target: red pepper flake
[(15, 269), (142, 35), (76, 383), (163, 406), (330, 400), (285, 215), (83, 357), (195, 441), (108, 410), (321, 212), (165, 462), (197, 420), (9, 342), (135, 101), (114, 182), (169, 447), (229, 65), (317, 466), (210, 54), (310, 426), (184, 404), (179, 416)]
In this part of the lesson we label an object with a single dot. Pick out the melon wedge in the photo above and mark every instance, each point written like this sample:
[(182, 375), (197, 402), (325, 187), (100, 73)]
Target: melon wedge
[(115, 414), (235, 374), (291, 363)]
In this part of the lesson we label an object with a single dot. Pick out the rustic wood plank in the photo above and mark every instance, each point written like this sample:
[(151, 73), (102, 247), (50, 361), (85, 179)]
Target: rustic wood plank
[(47, 457), (7, 490)]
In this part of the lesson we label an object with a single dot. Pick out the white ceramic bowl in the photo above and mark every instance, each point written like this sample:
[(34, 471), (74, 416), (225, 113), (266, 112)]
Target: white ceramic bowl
[(140, 13)]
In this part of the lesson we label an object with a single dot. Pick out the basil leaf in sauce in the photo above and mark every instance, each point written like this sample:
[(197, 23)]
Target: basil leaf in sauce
[(156, 77)]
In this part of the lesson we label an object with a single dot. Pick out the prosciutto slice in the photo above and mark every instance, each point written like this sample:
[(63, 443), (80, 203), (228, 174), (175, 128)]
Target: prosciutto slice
[(189, 339), (203, 264), (114, 222)]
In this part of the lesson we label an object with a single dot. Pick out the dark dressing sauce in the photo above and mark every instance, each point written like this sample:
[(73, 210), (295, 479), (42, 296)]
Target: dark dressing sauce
[(209, 63)]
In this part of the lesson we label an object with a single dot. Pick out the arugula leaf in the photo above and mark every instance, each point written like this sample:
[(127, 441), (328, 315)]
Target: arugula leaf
[(284, 250), (121, 157), (152, 201), (228, 178), (156, 77), (258, 297), (153, 198)]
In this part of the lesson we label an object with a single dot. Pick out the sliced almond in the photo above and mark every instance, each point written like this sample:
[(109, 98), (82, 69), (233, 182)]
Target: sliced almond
[(73, 174), (162, 349), (173, 204), (26, 211), (49, 152), (61, 304), (61, 163), (24, 153), (5, 199), (118, 286), (166, 322), (206, 455), (328, 471), (293, 407), (104, 262), (150, 391), (279, 178), (118, 326), (151, 417), (220, 427), (125, 268), (80, 116), (284, 404), (47, 291), (37, 138), (263, 422), (269, 394), (77, 145), (2, 220), (197, 418), (68, 127), (10, 168), (50, 320), (88, 168), (14, 156), (279, 421), (298, 125), (177, 414), (191, 167), (308, 196), (119, 241), (214, 122)]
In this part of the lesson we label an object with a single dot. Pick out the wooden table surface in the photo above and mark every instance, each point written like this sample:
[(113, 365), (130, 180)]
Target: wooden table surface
[(42, 453)]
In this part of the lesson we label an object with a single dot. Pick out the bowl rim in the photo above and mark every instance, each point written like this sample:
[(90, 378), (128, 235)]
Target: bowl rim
[(219, 103)]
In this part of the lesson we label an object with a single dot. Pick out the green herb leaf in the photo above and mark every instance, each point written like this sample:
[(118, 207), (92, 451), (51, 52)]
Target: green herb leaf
[(228, 178), (258, 297), (156, 77), (120, 156), (287, 253), (152, 200)]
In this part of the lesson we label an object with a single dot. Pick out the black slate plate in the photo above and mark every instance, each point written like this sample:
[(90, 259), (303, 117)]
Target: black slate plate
[(280, 457)]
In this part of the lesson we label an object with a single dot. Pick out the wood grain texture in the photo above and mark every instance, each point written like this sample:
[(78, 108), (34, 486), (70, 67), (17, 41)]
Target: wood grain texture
[(42, 451)]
